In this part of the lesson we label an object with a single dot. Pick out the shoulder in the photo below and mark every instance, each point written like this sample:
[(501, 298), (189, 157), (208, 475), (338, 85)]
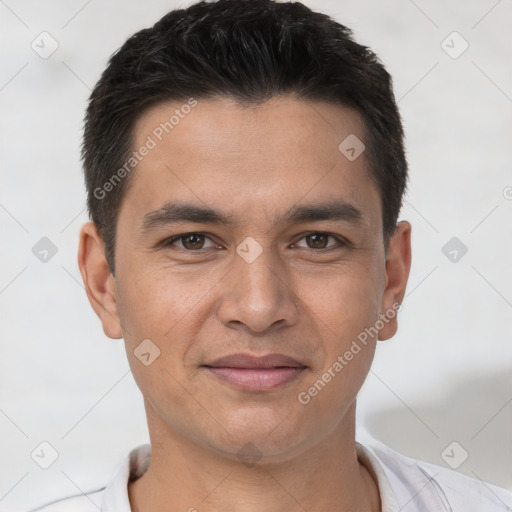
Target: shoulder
[(112, 496), (89, 502), (426, 483)]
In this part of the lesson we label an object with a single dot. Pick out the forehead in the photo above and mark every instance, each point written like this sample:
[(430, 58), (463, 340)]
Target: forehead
[(281, 123), (250, 159)]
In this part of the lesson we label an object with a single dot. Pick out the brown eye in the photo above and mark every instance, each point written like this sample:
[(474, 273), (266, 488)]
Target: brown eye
[(317, 240), (193, 241), (190, 242)]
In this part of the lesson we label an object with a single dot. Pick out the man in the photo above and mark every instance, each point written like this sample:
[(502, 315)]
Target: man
[(245, 170)]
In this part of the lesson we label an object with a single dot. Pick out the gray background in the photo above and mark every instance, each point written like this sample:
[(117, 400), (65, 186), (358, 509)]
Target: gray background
[(444, 377)]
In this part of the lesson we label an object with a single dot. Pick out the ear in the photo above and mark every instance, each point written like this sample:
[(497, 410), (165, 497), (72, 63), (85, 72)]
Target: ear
[(398, 265), (98, 280)]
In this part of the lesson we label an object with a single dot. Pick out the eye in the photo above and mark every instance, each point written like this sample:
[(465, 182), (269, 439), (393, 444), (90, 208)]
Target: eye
[(190, 242), (319, 240)]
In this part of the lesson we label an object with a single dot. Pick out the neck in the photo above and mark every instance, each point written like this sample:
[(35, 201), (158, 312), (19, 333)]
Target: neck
[(185, 476)]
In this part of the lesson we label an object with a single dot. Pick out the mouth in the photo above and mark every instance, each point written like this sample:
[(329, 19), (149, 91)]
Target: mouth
[(251, 373)]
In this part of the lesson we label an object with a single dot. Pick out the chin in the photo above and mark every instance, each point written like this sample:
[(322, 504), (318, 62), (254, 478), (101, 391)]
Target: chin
[(257, 437)]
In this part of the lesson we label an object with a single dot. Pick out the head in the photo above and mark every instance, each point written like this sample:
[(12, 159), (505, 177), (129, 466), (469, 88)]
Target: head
[(266, 137)]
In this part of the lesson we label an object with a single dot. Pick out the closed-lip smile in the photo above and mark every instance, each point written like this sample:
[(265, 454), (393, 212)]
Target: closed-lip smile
[(256, 373)]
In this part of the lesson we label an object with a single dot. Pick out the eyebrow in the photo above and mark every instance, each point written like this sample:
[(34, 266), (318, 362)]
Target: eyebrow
[(175, 213)]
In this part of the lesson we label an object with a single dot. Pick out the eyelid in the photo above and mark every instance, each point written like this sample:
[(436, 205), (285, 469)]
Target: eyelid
[(171, 241), (339, 239)]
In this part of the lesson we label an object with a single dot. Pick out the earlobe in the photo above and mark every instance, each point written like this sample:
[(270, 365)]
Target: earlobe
[(398, 265), (98, 280)]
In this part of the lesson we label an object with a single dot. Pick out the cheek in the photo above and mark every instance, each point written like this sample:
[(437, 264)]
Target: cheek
[(343, 313), (348, 353), (345, 301), (169, 310), (154, 304)]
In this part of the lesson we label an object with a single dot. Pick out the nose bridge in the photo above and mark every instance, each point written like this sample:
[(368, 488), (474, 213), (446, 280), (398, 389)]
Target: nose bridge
[(260, 277), (259, 295)]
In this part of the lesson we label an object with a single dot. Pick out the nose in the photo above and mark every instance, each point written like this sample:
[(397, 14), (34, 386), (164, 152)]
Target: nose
[(258, 296)]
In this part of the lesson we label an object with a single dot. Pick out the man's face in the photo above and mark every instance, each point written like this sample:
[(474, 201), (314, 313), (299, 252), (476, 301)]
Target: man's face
[(279, 279)]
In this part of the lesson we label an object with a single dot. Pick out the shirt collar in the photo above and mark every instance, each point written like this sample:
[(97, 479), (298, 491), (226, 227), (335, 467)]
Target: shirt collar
[(115, 498)]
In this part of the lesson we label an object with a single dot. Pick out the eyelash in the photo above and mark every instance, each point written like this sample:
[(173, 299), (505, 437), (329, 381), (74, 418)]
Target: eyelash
[(340, 240)]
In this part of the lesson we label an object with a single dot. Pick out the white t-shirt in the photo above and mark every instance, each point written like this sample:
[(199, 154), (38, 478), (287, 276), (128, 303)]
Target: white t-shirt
[(405, 485)]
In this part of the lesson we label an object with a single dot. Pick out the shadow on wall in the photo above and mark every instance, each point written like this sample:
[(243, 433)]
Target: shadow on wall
[(469, 429)]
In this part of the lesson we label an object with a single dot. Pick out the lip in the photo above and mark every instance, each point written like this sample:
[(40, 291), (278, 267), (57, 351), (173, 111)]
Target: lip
[(248, 361), (251, 373)]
